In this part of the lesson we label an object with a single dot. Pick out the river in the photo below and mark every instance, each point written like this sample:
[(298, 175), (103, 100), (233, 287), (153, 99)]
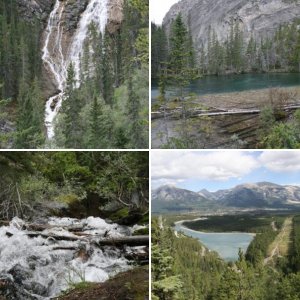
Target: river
[(236, 83), (226, 244), (40, 265)]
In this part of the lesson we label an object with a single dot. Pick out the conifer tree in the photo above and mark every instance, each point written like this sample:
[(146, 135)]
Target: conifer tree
[(71, 106), (107, 75)]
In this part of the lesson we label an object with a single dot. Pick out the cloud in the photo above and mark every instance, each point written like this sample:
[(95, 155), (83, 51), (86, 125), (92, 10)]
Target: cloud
[(159, 8), (281, 161), (175, 166)]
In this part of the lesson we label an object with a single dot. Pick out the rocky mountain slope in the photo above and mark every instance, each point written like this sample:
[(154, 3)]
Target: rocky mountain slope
[(254, 195), (169, 197), (257, 17)]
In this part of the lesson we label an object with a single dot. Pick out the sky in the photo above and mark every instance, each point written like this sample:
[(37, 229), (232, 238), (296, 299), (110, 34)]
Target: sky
[(159, 8), (215, 170)]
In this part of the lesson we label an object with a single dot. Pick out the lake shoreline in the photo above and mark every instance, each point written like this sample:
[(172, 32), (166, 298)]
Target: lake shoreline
[(180, 223)]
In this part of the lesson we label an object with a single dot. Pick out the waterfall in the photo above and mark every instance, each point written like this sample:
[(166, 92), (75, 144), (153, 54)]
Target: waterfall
[(57, 59), (95, 12)]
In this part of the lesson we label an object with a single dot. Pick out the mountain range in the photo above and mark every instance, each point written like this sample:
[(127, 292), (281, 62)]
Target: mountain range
[(169, 198)]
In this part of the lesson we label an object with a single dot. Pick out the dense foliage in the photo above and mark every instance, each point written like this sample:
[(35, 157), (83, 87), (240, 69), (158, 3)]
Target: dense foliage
[(88, 183), (108, 110)]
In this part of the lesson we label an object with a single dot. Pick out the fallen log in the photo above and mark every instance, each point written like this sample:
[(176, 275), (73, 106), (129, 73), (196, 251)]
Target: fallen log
[(138, 240), (65, 248), (40, 227), (55, 236), (176, 114)]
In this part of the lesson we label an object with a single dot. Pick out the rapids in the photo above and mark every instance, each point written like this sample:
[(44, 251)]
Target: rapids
[(43, 267)]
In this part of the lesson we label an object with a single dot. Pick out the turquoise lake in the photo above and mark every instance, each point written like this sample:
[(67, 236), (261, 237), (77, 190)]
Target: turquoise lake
[(237, 83), (226, 244)]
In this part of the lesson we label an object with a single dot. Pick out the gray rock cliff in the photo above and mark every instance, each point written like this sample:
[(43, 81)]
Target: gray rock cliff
[(258, 17)]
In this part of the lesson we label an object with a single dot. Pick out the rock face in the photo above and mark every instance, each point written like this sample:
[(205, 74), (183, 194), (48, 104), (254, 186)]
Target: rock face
[(115, 15), (35, 8), (171, 198), (257, 17), (72, 12)]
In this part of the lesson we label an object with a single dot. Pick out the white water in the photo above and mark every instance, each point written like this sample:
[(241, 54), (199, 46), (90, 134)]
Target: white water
[(56, 269), (95, 12), (53, 52)]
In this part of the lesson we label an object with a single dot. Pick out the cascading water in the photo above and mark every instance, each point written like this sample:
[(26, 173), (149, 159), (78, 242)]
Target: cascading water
[(57, 59), (41, 266), (95, 12)]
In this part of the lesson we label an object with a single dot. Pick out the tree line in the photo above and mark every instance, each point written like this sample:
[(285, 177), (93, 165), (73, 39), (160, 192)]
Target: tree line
[(236, 54)]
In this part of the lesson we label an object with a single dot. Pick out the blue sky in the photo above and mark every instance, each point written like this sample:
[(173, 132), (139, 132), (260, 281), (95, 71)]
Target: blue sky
[(214, 170), (159, 8)]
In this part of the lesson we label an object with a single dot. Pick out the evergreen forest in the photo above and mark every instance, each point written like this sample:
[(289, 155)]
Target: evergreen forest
[(108, 109), (182, 268)]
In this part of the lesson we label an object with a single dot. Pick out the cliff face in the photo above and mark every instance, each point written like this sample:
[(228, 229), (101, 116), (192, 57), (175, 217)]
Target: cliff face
[(30, 9), (35, 8), (115, 15), (259, 17)]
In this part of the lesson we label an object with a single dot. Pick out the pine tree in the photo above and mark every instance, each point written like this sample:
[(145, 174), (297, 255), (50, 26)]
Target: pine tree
[(30, 121), (107, 76), (135, 127), (179, 73), (71, 107)]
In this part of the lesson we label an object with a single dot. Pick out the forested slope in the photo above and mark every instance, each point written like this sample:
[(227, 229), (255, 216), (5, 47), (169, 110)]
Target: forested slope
[(106, 108), (178, 263)]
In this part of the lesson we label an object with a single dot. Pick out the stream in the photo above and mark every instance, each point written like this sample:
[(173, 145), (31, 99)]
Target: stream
[(41, 265), (57, 59)]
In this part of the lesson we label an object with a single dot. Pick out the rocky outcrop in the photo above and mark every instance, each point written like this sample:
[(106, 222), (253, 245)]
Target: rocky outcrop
[(258, 17), (115, 15), (30, 9), (72, 13)]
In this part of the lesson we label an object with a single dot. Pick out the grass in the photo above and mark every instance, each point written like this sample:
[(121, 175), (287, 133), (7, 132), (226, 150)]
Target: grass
[(283, 239)]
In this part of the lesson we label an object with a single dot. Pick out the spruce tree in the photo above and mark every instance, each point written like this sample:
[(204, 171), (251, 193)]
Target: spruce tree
[(133, 108), (71, 107), (107, 75)]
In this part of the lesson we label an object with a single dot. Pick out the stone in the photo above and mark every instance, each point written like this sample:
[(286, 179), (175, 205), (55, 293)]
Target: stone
[(20, 273), (258, 17), (115, 15)]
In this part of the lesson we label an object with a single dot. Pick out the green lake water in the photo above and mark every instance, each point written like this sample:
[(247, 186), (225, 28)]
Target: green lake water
[(236, 83)]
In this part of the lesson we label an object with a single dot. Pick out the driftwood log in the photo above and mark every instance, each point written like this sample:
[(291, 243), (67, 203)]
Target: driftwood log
[(176, 113), (138, 240)]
